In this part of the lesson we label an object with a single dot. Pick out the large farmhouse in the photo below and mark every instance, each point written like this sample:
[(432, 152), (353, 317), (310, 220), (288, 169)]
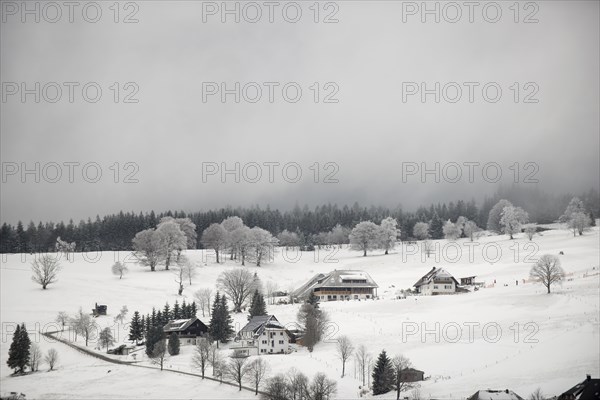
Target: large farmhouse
[(436, 281), (262, 335), (187, 329), (339, 285)]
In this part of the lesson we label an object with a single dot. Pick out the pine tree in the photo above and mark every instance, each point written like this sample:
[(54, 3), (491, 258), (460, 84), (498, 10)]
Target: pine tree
[(148, 325), (143, 327), (15, 356), (136, 328), (193, 310), (436, 227), (173, 344), (257, 306), (185, 312), (228, 330), (160, 321), (176, 311), (593, 223), (153, 317), (220, 328), (382, 374), (167, 312), (155, 335)]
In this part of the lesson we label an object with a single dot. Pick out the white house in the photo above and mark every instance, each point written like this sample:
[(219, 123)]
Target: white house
[(436, 281), (339, 285), (262, 335)]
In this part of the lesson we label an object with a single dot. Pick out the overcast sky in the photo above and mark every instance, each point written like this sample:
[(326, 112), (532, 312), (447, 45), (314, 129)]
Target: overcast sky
[(369, 58)]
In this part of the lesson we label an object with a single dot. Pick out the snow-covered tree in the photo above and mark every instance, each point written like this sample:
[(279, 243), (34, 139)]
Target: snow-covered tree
[(105, 338), (339, 235), (530, 230), (547, 271), (119, 269), (364, 237), (579, 222), (261, 245), (214, 237), (389, 233), (421, 230), (172, 240), (51, 358), (45, 270), (230, 224), (288, 239), (493, 222), (63, 247), (470, 229), (148, 248), (84, 325), (35, 357), (363, 362), (239, 238), (345, 349), (451, 231), (159, 354), (512, 219), (62, 318), (203, 297), (120, 318)]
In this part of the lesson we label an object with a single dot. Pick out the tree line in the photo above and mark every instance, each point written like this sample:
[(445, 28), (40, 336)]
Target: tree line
[(116, 231)]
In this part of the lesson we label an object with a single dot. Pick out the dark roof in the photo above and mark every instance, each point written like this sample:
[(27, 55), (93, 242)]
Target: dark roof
[(258, 324), (433, 274), (587, 390), (495, 395), (179, 325), (336, 279)]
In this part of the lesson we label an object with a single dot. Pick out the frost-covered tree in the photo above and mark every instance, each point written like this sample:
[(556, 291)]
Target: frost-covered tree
[(470, 230), (451, 231), (148, 248), (45, 270), (214, 237), (345, 349), (35, 357), (66, 248), (119, 269), (62, 318), (180, 274), (239, 284), (363, 362), (579, 222), (421, 230), (389, 233), (51, 358), (172, 240), (239, 238), (120, 318), (288, 239), (230, 224), (493, 222), (261, 245), (339, 235), (106, 338), (364, 237), (84, 325), (189, 230), (512, 219), (530, 230), (547, 271)]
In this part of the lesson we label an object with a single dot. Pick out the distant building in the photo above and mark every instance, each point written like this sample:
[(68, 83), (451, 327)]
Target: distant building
[(436, 281), (187, 329), (495, 395), (467, 280), (589, 389), (99, 309), (412, 375), (339, 285), (262, 335)]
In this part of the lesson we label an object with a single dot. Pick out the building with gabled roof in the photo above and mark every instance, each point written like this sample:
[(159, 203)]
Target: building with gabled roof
[(339, 285), (187, 329), (263, 334), (437, 281), (587, 390), (495, 395)]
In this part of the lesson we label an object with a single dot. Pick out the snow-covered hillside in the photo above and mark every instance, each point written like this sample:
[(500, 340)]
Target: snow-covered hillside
[(492, 338)]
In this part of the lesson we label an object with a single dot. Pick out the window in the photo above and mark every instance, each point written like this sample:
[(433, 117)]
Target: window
[(281, 342), (264, 342), (280, 333), (435, 286)]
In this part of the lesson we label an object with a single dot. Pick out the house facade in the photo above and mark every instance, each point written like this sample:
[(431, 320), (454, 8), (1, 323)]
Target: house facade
[(339, 285), (437, 281), (187, 329), (262, 335)]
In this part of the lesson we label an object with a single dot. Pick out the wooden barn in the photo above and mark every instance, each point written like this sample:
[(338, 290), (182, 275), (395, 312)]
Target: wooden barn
[(187, 329)]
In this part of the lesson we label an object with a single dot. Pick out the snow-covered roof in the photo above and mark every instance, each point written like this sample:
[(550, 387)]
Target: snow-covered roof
[(257, 324), (434, 274), (336, 279), (495, 395), (177, 325)]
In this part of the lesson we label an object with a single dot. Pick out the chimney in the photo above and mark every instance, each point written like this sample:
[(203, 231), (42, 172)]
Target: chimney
[(588, 377)]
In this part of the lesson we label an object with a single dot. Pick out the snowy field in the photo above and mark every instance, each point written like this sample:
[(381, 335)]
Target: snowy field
[(492, 338)]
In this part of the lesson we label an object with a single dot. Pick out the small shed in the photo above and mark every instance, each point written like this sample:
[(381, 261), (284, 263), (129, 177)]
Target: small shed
[(412, 375), (99, 309), (467, 280)]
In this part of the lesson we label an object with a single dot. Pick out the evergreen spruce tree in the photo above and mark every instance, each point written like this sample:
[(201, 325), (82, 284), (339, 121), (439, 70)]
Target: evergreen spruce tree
[(216, 320), (593, 223), (143, 327), (193, 310), (257, 306), (185, 312), (24, 345), (136, 328), (148, 325), (382, 374), (160, 321), (436, 227), (173, 344), (153, 317), (15, 355), (155, 335), (176, 311), (228, 330), (167, 312)]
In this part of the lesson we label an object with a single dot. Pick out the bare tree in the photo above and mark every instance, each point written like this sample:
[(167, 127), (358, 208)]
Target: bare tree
[(236, 370), (179, 272), (344, 348), (547, 271), (189, 269), (51, 358), (271, 287), (363, 359), (428, 248), (35, 357), (202, 354), (238, 284), (321, 387), (119, 269), (45, 270), (537, 395), (62, 318), (217, 362), (204, 296), (277, 388), (256, 372), (159, 354), (399, 366), (84, 325), (530, 231), (298, 384)]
